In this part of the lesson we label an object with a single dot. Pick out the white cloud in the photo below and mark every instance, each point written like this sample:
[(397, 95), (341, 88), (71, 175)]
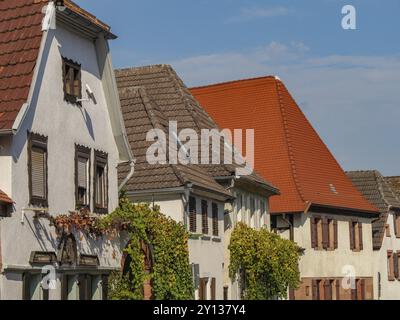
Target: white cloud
[(352, 101), (247, 14)]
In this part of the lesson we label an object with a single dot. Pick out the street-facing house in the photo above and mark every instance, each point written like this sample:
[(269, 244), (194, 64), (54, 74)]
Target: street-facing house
[(207, 198), (385, 232), (61, 140), (319, 208)]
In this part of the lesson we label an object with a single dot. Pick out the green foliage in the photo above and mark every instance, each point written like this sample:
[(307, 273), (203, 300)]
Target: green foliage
[(171, 275), (267, 264)]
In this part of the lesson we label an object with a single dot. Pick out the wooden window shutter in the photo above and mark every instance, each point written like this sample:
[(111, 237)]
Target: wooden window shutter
[(327, 290), (395, 224), (215, 219), (82, 172), (64, 287), (313, 232), (26, 294), (325, 233), (351, 233), (38, 158), (335, 234), (315, 289), (192, 215), (338, 286), (204, 216), (363, 291), (396, 265), (203, 289), (104, 287), (354, 293), (213, 289), (360, 237)]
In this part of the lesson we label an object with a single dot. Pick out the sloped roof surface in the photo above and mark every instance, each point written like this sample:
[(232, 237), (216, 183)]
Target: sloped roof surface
[(374, 187), (289, 152), (5, 198), (171, 101), (20, 38)]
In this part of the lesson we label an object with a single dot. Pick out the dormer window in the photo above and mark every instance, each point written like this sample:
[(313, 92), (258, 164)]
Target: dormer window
[(72, 81)]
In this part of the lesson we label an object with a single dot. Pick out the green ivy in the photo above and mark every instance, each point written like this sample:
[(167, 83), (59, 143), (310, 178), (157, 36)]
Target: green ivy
[(266, 263), (171, 275)]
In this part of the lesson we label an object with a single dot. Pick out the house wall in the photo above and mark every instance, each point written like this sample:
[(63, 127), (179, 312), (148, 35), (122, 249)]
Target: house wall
[(65, 125), (242, 214), (322, 264), (389, 290), (5, 165), (205, 250)]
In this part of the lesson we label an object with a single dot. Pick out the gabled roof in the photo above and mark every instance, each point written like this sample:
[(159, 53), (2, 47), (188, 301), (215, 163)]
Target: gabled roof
[(374, 187), (155, 95), (5, 198), (394, 183), (20, 40), (289, 152)]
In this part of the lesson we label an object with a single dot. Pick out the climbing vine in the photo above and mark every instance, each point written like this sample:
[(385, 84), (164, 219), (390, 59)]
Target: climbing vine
[(266, 264), (170, 276)]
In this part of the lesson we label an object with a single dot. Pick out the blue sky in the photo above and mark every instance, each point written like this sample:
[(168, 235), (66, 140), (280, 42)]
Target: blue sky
[(346, 81)]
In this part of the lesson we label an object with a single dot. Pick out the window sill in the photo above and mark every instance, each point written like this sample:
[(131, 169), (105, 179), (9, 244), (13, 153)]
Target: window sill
[(195, 236), (206, 237), (216, 239)]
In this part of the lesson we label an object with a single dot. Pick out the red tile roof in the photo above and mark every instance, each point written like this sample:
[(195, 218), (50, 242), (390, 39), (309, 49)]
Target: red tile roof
[(4, 198), (288, 151), (20, 38)]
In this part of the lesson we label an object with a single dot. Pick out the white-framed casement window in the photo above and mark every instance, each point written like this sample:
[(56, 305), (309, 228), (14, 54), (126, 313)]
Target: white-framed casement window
[(33, 287), (84, 287), (239, 207), (252, 215), (263, 213), (100, 182), (82, 177)]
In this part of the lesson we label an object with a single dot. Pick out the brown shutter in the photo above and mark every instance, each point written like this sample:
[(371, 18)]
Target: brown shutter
[(64, 287), (335, 234), (38, 158), (395, 224), (313, 233), (360, 237), (213, 289), (215, 219), (396, 265), (26, 294), (192, 215), (327, 290), (363, 297), (204, 216), (325, 233), (338, 286), (104, 287), (351, 229), (315, 290), (203, 289), (354, 292)]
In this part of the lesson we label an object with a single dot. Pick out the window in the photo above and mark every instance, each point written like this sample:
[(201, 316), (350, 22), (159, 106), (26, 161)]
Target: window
[(316, 289), (324, 233), (192, 215), (72, 81), (33, 287), (239, 207), (390, 266), (82, 177), (204, 216), (3, 210), (252, 212), (100, 182), (359, 292), (356, 236), (203, 288), (263, 213), (37, 168), (387, 230), (226, 293), (215, 219), (84, 287), (396, 224)]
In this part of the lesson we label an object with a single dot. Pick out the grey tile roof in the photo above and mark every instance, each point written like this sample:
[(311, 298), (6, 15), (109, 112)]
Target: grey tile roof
[(375, 189), (152, 96), (394, 183)]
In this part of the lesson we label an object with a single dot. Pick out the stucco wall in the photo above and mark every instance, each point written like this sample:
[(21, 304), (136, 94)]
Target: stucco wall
[(65, 125), (390, 290)]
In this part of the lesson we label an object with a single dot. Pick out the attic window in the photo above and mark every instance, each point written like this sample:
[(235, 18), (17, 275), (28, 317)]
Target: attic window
[(72, 81)]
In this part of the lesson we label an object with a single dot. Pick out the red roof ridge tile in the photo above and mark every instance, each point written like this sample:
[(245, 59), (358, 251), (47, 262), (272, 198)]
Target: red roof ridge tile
[(271, 77)]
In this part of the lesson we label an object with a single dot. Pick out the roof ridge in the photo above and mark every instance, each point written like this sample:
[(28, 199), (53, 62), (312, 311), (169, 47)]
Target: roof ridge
[(234, 81), (288, 139)]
